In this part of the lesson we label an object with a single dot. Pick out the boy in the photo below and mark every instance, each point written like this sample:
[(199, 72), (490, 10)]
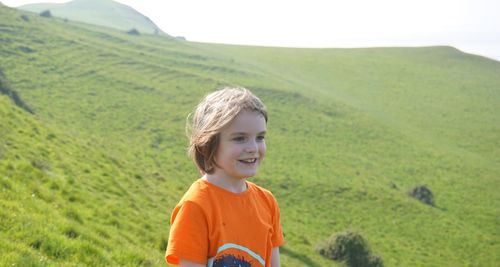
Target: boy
[(223, 219)]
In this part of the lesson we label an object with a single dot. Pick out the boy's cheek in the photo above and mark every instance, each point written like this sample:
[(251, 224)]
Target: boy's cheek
[(263, 149)]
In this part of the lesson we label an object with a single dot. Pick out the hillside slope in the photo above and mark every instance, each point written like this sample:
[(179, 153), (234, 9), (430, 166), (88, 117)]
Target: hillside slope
[(434, 93), (106, 13), (92, 175)]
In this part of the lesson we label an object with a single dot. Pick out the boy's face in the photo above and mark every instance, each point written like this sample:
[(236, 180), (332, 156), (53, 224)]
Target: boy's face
[(242, 146)]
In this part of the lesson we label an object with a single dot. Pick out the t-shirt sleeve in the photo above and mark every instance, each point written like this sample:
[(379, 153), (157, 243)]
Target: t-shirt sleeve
[(277, 237), (188, 237)]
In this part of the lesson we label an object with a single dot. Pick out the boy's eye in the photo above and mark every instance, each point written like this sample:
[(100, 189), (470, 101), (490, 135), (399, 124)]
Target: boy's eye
[(239, 139), (260, 138)]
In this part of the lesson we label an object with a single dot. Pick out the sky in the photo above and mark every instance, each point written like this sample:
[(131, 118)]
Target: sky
[(472, 26)]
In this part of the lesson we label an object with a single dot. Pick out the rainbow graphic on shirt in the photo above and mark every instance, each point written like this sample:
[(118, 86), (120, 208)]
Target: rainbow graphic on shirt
[(233, 255)]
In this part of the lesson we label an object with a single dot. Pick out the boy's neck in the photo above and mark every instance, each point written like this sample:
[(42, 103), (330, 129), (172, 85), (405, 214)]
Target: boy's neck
[(229, 184)]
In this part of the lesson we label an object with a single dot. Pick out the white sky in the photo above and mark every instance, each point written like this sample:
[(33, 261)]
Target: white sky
[(470, 25)]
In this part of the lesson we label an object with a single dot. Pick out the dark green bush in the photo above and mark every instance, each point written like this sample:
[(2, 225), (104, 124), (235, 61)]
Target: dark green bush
[(350, 248), (36, 244), (71, 233), (423, 194), (133, 32), (46, 14)]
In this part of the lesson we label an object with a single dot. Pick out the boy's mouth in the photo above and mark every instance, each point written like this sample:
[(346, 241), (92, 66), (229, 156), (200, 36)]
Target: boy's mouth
[(252, 160)]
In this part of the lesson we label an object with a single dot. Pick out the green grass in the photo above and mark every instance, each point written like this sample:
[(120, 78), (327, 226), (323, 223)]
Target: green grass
[(92, 176)]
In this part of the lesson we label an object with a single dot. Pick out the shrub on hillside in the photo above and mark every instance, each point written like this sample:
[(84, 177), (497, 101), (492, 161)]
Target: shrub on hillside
[(25, 18), (350, 248), (6, 90), (71, 233), (423, 194), (46, 14), (133, 32)]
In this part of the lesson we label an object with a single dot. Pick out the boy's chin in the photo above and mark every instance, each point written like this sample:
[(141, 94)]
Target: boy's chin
[(247, 175)]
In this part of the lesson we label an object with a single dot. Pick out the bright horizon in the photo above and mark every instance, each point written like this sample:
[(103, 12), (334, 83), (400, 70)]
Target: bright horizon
[(472, 26)]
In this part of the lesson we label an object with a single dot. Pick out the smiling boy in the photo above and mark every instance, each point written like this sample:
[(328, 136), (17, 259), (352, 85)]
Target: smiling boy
[(223, 219)]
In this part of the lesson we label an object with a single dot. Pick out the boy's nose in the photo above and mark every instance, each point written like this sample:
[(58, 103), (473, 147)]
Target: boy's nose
[(251, 146)]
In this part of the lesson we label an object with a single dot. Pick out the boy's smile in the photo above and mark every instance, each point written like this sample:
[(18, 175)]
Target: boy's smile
[(241, 147), (248, 160)]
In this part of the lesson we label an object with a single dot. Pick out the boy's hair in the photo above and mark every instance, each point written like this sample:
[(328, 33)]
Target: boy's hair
[(214, 112)]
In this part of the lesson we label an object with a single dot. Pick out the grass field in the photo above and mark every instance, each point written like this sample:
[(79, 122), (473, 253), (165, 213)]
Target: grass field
[(91, 176)]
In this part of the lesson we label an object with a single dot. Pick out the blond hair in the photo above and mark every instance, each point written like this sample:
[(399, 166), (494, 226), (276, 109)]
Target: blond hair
[(214, 112)]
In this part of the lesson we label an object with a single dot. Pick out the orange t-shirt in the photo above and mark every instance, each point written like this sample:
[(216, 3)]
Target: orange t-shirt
[(213, 226)]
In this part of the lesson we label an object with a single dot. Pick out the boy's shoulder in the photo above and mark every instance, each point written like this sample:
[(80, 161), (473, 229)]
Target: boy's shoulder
[(263, 192), (258, 188), (196, 192)]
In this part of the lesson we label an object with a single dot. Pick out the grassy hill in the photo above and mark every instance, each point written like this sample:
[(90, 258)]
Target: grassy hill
[(91, 175), (106, 13)]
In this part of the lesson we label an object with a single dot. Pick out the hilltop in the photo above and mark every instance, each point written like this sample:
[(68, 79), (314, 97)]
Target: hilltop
[(91, 174), (106, 13)]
